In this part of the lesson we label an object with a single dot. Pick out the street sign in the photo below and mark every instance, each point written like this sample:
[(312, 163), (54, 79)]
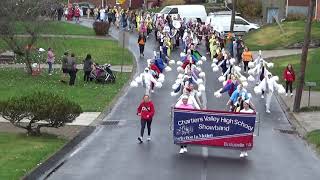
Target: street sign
[(311, 84)]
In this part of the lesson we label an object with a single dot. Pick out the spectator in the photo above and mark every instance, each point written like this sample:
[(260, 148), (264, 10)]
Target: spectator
[(50, 60), (64, 66), (289, 77), (77, 14), (141, 41), (72, 69), (87, 68), (246, 58), (146, 112)]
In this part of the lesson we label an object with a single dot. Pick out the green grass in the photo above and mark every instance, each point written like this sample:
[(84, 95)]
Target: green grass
[(60, 28), (313, 137), (102, 51), (20, 153), (91, 97), (312, 70), (269, 37)]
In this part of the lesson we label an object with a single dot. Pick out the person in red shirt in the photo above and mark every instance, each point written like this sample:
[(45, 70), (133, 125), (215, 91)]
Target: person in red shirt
[(146, 112), (77, 14), (289, 77)]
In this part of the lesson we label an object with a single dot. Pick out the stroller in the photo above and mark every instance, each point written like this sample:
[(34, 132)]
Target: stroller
[(103, 74)]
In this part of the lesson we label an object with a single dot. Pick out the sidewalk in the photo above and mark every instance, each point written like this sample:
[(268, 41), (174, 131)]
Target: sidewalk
[(117, 68), (277, 53), (85, 119), (308, 121)]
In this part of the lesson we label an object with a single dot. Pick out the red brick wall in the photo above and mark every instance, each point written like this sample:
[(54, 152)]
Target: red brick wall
[(298, 2)]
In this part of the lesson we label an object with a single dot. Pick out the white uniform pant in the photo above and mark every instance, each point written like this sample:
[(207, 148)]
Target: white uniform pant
[(268, 100)]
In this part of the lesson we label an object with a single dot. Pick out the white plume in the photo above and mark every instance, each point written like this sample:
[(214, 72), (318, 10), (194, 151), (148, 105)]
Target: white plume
[(173, 94), (171, 62), (158, 84), (217, 94), (138, 79), (215, 69), (182, 54), (245, 84), (242, 79), (161, 78), (232, 61), (179, 63), (215, 60), (199, 81), (251, 71), (199, 62), (175, 86), (237, 68), (180, 69), (201, 87), (203, 58), (275, 78), (281, 89), (257, 90), (180, 76), (251, 78), (199, 94), (202, 74), (221, 78), (270, 65), (251, 65), (133, 84), (224, 83), (168, 69)]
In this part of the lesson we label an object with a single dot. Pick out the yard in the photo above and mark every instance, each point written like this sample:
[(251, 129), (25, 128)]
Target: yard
[(102, 51), (313, 137), (269, 37), (312, 70), (20, 153)]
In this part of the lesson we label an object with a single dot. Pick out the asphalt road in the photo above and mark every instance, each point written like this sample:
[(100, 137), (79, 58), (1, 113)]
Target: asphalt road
[(112, 152)]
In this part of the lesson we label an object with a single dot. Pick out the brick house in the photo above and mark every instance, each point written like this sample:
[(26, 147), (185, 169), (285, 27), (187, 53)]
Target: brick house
[(301, 7), (272, 9)]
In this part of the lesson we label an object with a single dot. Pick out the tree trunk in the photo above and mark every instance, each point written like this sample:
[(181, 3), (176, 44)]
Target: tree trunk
[(28, 62), (304, 56), (233, 15)]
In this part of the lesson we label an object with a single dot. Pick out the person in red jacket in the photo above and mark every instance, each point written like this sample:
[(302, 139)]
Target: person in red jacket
[(289, 77), (146, 112), (77, 14)]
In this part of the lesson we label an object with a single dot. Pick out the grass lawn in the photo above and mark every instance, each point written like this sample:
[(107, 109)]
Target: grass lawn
[(269, 37), (102, 51), (312, 70), (20, 153), (61, 28), (91, 97), (313, 137)]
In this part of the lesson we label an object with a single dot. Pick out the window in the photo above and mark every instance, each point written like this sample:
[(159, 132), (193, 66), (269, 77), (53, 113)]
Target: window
[(174, 11), (166, 10), (240, 22)]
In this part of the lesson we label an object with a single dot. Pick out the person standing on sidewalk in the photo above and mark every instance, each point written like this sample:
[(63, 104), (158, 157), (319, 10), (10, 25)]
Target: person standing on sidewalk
[(72, 69), (141, 41), (246, 58), (289, 77), (146, 111), (87, 68), (50, 60), (77, 14)]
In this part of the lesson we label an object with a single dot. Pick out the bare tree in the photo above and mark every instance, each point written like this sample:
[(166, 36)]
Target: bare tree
[(304, 56), (24, 17), (234, 2)]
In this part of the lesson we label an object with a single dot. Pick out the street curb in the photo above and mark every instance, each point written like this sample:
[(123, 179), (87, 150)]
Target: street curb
[(291, 118), (54, 162)]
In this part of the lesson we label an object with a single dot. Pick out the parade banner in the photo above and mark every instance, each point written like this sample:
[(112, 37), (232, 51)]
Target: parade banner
[(213, 128)]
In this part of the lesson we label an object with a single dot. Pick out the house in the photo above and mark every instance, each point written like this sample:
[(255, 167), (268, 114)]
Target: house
[(273, 9), (301, 7)]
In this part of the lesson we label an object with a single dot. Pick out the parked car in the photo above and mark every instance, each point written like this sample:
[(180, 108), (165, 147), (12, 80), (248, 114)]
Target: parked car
[(222, 23), (194, 12)]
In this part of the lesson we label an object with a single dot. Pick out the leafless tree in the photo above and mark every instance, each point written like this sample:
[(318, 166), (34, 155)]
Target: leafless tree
[(24, 17), (304, 56)]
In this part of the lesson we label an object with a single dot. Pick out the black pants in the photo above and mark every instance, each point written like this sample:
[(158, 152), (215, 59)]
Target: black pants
[(245, 67), (143, 126), (288, 85), (86, 76), (73, 75), (141, 48), (184, 146)]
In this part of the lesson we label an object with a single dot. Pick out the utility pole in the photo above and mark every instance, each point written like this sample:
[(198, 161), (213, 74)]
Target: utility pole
[(304, 56), (233, 15)]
